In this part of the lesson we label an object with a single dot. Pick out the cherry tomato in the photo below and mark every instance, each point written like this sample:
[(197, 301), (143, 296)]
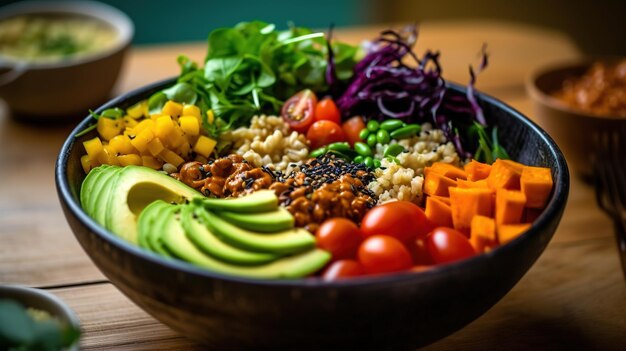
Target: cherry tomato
[(384, 254), (402, 220), (299, 110), (419, 252), (352, 128), (323, 133), (326, 110), (343, 269), (448, 245), (340, 236)]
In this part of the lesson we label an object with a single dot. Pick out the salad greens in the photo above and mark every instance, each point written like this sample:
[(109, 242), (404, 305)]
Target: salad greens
[(251, 69)]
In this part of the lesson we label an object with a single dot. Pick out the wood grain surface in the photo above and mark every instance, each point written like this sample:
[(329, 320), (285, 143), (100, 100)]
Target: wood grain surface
[(574, 297)]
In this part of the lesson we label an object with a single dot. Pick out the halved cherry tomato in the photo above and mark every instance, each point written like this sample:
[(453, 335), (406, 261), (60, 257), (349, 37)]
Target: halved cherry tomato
[(352, 127), (448, 245), (402, 220), (326, 110), (299, 110), (323, 133), (343, 269), (384, 254), (340, 236)]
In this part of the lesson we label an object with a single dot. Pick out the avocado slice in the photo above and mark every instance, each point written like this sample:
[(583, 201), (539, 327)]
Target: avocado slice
[(132, 189), (295, 266), (266, 222), (258, 201), (90, 183), (154, 239), (145, 222), (283, 242), (100, 197), (207, 241)]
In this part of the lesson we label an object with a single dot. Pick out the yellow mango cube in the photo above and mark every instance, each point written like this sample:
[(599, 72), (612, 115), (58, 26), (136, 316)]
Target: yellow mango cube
[(151, 162), (130, 159), (189, 125), (191, 110), (86, 163), (108, 156), (164, 127), (140, 142), (204, 146), (155, 146), (144, 124), (184, 150), (129, 122), (170, 156), (210, 117), (108, 127), (94, 148), (121, 144), (138, 110), (172, 108)]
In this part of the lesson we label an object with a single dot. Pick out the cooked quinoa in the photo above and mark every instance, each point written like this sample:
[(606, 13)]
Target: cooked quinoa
[(269, 142), (404, 181)]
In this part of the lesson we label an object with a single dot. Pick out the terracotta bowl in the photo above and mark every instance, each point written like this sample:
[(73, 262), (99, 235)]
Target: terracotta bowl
[(572, 129), (395, 312), (60, 90)]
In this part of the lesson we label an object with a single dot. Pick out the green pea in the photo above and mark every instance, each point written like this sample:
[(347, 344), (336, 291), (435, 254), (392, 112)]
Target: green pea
[(364, 133), (377, 163), (318, 152), (369, 162), (371, 140), (393, 150), (382, 136), (406, 132), (359, 159), (362, 149), (372, 125), (340, 146), (391, 124)]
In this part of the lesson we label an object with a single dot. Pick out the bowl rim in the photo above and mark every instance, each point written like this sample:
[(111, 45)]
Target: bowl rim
[(116, 19), (553, 208), (555, 67)]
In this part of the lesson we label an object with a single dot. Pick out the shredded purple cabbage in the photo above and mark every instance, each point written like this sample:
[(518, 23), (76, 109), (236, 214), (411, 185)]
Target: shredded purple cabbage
[(384, 87)]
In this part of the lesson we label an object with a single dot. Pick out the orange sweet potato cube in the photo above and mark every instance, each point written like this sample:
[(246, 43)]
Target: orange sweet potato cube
[(505, 174), (437, 184), (508, 232), (472, 184), (446, 170), (483, 233), (444, 199), (509, 206), (467, 203), (536, 183), (477, 170), (438, 212)]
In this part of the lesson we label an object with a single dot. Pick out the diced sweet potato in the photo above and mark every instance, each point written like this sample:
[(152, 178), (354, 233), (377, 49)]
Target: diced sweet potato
[(509, 206), (446, 170), (477, 170), (467, 203), (466, 184), (508, 232), (437, 184), (444, 199), (438, 212), (536, 183), (505, 174), (483, 233)]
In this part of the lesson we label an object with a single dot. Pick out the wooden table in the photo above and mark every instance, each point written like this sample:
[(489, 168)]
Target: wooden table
[(574, 297)]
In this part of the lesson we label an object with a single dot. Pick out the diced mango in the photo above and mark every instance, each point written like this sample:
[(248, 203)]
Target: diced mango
[(184, 150), (151, 162), (108, 156), (155, 147), (138, 110), (144, 124), (140, 142), (172, 108), (210, 116), (94, 149), (170, 156), (109, 128), (121, 145), (204, 146), (189, 125), (191, 110), (84, 161), (130, 159), (129, 122), (164, 128)]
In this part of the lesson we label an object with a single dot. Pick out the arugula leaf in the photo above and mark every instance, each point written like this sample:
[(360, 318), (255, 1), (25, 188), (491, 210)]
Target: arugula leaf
[(182, 93)]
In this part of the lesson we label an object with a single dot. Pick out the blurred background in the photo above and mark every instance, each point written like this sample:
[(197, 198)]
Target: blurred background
[(597, 27)]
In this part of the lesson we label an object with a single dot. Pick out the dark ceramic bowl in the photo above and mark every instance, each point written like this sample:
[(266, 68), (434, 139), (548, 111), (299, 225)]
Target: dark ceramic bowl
[(44, 301), (401, 311), (59, 90)]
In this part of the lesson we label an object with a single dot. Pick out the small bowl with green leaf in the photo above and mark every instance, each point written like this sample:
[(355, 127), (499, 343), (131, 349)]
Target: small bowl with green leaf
[(34, 319)]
